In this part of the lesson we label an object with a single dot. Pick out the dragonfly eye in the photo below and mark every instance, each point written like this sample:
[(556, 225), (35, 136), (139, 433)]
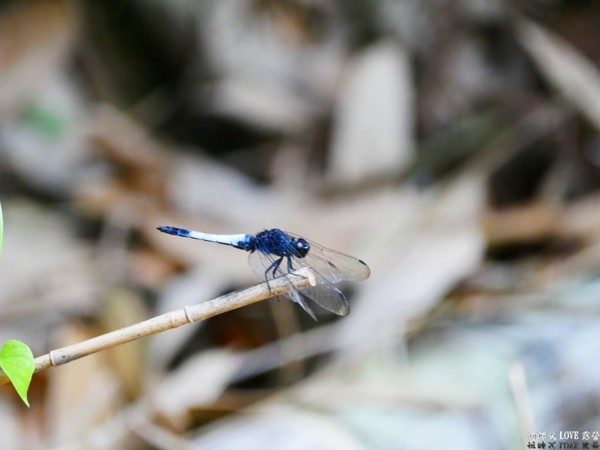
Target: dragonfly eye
[(302, 247)]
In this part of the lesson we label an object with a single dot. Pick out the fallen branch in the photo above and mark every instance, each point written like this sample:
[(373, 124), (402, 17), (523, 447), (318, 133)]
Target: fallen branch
[(174, 319)]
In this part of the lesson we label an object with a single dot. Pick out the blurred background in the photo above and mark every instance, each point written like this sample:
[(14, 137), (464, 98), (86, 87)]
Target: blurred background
[(452, 145)]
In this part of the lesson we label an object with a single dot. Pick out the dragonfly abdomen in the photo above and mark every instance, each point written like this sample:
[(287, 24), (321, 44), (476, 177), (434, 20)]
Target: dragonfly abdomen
[(235, 240)]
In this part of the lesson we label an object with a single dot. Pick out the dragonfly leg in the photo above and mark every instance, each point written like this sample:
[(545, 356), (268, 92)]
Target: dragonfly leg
[(273, 267), (290, 268)]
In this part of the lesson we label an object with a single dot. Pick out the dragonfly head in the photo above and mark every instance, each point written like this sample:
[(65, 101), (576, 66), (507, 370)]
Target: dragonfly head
[(301, 247)]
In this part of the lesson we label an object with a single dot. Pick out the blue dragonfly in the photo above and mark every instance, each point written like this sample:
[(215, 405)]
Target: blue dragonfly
[(275, 253)]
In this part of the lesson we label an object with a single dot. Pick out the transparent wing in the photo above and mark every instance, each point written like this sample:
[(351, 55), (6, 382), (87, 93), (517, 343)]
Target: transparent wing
[(328, 297), (323, 294), (333, 265)]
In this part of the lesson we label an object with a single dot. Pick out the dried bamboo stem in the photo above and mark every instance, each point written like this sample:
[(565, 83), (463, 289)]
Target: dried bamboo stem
[(174, 319)]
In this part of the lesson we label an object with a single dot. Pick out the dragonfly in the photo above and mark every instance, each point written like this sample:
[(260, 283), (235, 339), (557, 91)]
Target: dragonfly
[(274, 253)]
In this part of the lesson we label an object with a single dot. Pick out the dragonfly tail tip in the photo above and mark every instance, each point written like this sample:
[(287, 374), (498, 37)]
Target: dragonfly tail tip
[(174, 231)]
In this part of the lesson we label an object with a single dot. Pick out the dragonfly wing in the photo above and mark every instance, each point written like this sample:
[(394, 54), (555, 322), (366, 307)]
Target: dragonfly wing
[(328, 297), (323, 294), (334, 266), (297, 297), (262, 266)]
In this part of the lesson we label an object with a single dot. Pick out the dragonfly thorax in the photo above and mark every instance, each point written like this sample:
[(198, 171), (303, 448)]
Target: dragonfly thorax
[(279, 243)]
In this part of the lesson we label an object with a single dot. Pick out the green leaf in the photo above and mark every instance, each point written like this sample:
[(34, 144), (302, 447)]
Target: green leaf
[(16, 360), (45, 121)]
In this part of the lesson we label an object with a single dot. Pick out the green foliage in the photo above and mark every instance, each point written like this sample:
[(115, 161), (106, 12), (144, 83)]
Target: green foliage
[(44, 121), (16, 360)]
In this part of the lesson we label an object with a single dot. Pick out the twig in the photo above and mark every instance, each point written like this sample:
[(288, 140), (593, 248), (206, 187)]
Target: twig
[(520, 393), (174, 319)]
